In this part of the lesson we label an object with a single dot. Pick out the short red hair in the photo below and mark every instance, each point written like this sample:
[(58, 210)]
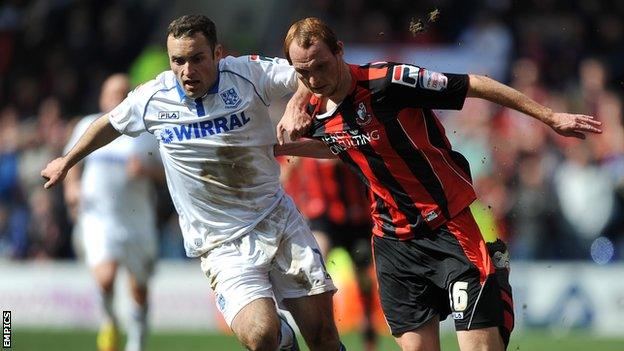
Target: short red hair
[(306, 32)]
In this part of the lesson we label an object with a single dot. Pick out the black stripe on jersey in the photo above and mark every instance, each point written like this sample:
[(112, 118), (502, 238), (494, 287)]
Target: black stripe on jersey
[(387, 226), (435, 135), (342, 188), (438, 139), (417, 164), (317, 128), (404, 203), (375, 86)]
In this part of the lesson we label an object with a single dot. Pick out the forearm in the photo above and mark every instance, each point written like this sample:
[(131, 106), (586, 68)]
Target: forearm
[(491, 90), (304, 148), (99, 133), (300, 98), (295, 120)]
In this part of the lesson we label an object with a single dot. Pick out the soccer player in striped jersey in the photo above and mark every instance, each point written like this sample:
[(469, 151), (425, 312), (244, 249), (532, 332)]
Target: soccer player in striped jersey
[(431, 259)]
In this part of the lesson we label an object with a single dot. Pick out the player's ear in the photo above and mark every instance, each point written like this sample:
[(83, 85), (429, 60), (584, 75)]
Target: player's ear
[(218, 52), (340, 52)]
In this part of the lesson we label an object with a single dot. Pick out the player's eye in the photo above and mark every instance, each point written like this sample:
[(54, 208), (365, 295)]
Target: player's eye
[(178, 61), (197, 59)]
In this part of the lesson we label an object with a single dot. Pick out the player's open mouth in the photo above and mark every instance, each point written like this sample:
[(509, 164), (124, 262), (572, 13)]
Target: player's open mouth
[(191, 82)]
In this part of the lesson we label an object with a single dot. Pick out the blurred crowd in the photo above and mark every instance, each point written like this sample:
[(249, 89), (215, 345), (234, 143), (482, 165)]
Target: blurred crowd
[(550, 197)]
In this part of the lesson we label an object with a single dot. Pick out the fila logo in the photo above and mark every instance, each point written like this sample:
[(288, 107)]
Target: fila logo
[(412, 76), (405, 75), (168, 114)]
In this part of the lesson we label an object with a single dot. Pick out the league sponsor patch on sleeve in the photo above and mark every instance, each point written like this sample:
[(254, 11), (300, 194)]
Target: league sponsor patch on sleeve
[(433, 80)]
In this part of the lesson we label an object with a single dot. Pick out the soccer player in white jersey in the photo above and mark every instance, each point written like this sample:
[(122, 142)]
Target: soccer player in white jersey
[(113, 199), (216, 142)]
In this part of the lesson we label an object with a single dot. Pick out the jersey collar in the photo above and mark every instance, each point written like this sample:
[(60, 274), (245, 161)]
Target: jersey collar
[(213, 89)]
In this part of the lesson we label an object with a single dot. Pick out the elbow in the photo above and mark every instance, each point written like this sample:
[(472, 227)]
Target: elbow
[(476, 84), (483, 87)]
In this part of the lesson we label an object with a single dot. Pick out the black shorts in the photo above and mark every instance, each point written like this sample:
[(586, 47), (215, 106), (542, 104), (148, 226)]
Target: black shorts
[(354, 238), (446, 271)]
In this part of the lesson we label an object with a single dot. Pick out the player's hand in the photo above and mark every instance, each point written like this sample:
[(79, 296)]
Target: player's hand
[(294, 122), (572, 125), (54, 172)]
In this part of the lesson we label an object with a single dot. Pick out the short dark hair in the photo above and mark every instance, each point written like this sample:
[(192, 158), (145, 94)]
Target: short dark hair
[(188, 25), (306, 32)]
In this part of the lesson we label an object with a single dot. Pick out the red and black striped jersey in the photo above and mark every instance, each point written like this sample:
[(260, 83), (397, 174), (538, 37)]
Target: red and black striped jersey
[(326, 189), (387, 133)]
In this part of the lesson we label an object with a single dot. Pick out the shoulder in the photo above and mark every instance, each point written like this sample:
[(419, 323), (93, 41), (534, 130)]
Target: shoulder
[(234, 64), (374, 76), (249, 64), (165, 81)]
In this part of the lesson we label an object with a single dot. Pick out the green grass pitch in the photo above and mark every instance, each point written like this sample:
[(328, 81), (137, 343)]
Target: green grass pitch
[(69, 340)]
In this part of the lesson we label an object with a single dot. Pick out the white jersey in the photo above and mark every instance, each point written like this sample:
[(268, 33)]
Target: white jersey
[(121, 205), (217, 150)]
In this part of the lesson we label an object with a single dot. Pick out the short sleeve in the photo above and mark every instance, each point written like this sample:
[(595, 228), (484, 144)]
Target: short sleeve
[(275, 77), (127, 117), (412, 86)]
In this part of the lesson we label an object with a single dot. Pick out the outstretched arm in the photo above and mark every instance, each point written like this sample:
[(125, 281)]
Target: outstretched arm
[(99, 133), (304, 148), (566, 124)]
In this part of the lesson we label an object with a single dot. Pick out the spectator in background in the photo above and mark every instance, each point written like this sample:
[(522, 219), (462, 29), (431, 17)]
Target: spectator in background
[(586, 196), (13, 209), (111, 200), (535, 210), (601, 159), (43, 137), (488, 34)]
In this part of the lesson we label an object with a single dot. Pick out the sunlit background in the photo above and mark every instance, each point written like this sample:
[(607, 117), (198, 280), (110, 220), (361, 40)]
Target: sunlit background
[(557, 202)]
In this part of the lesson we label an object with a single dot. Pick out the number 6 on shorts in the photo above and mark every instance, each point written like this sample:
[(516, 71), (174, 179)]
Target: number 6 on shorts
[(458, 296)]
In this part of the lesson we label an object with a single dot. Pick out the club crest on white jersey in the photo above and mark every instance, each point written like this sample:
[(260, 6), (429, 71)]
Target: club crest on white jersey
[(230, 98)]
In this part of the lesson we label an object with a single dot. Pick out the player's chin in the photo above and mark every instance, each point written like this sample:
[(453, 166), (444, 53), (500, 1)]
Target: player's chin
[(319, 90), (193, 92)]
